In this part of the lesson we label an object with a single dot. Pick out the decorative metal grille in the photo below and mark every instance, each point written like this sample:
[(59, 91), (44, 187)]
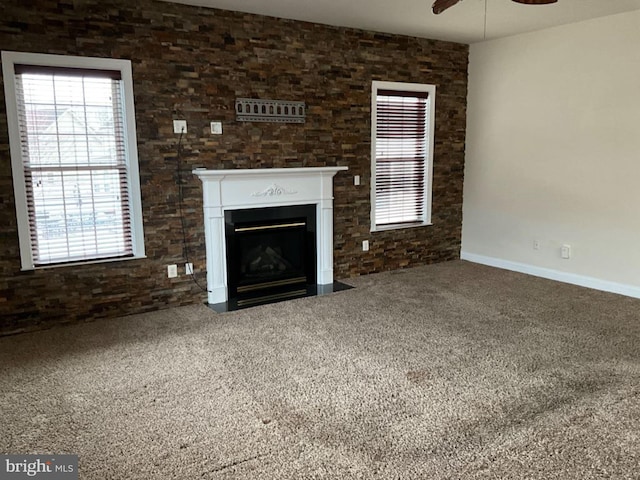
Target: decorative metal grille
[(281, 111)]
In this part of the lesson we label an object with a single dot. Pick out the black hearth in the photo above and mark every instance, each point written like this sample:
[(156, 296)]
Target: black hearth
[(271, 254)]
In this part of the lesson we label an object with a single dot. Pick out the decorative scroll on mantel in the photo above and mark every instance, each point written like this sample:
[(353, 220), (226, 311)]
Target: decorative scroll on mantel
[(225, 190), (273, 190), (280, 111)]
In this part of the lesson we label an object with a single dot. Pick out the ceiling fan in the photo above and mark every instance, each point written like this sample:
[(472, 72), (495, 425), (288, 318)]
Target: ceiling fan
[(440, 6)]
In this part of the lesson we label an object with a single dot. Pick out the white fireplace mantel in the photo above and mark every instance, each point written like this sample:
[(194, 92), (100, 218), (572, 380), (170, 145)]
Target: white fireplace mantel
[(268, 187)]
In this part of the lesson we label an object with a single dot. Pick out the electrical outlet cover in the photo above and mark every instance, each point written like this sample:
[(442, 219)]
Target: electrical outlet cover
[(172, 271), (179, 126)]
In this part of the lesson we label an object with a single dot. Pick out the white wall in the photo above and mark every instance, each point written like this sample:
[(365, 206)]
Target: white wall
[(553, 153)]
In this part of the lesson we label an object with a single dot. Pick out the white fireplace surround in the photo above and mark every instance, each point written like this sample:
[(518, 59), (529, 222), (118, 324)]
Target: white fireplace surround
[(268, 187)]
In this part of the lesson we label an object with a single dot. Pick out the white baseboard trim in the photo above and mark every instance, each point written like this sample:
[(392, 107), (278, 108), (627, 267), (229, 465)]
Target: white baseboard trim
[(572, 278)]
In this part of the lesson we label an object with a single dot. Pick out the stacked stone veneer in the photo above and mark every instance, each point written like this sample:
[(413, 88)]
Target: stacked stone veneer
[(191, 63)]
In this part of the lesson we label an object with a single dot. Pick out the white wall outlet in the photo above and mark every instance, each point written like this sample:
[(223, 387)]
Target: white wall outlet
[(179, 126), (536, 244), (365, 245), (188, 268), (356, 179), (172, 271), (216, 128), (565, 251)]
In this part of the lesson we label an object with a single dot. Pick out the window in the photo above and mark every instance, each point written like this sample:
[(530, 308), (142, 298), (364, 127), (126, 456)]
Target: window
[(401, 150), (74, 158)]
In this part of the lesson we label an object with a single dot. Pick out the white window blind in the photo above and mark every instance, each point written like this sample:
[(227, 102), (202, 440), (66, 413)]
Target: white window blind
[(401, 149), (402, 141), (73, 146)]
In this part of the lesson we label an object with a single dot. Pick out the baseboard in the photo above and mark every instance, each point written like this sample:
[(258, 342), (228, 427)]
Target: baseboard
[(572, 278)]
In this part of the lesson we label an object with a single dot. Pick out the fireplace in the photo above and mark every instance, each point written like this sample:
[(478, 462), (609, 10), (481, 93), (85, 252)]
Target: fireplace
[(227, 193), (271, 253)]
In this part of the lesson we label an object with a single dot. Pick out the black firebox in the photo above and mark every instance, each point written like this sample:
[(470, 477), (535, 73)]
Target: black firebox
[(271, 253)]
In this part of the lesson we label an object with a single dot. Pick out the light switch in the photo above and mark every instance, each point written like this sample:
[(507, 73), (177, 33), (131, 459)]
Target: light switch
[(216, 128)]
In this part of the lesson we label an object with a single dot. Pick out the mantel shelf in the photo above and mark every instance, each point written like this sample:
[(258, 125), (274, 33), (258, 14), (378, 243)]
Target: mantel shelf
[(265, 172)]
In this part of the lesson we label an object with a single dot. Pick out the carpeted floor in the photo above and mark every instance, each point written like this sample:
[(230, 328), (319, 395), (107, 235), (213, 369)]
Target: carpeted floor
[(450, 371)]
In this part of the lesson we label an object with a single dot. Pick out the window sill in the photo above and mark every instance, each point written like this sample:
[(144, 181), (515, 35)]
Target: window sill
[(82, 263), (399, 226)]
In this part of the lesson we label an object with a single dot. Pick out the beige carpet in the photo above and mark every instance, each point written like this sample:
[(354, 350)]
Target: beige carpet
[(451, 371)]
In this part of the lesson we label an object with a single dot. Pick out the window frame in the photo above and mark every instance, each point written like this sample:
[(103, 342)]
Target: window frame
[(377, 85), (9, 60)]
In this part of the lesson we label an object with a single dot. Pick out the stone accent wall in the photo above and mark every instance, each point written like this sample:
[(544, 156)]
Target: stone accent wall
[(191, 63)]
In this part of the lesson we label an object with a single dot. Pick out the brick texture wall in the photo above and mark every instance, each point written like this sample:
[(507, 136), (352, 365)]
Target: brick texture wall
[(191, 63)]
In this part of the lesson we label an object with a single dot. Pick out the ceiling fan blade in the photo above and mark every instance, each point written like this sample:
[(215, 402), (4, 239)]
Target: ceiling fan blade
[(440, 6), (535, 2)]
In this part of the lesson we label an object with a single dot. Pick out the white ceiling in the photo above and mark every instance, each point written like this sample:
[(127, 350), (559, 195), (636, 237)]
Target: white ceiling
[(465, 22)]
